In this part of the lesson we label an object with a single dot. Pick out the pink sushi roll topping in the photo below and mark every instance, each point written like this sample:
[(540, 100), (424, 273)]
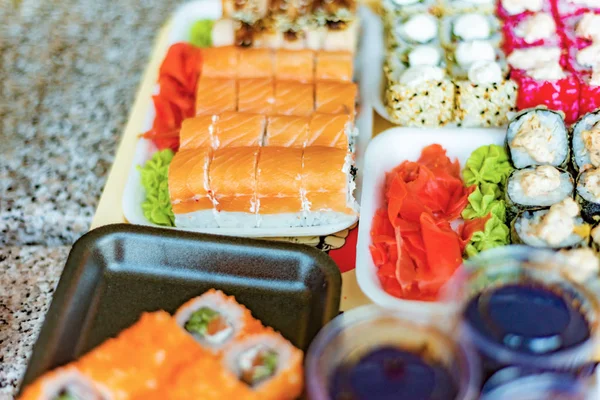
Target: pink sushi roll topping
[(531, 30), (566, 8), (511, 8)]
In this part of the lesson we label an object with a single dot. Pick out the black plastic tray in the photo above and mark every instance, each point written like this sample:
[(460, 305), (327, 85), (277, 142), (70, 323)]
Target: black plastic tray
[(116, 272)]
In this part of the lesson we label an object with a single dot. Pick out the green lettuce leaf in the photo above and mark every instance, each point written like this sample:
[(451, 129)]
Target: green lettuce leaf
[(201, 33), (155, 180), (495, 234), (487, 164), (484, 200)]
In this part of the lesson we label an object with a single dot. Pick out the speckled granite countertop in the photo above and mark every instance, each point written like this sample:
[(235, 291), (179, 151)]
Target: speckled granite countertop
[(69, 71)]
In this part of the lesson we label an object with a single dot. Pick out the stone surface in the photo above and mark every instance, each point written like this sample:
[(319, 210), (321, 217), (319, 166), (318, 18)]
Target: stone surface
[(28, 277)]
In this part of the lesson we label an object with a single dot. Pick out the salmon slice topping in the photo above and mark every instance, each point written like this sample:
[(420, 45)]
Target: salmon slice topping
[(256, 96), (329, 130), (233, 172), (294, 98), (334, 66), (236, 129), (255, 63), (335, 98), (220, 62), (323, 170), (197, 132), (295, 65), (216, 95), (279, 172), (287, 131)]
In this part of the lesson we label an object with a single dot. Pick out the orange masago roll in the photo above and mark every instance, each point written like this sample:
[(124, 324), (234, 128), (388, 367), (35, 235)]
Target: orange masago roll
[(215, 320)]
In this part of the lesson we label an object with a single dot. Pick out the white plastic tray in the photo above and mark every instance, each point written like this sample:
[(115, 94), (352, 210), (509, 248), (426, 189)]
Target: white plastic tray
[(181, 23), (385, 152)]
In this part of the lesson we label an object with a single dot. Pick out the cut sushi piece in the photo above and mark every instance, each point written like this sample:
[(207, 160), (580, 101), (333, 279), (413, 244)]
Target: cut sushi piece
[(268, 38), (469, 27), (536, 187), (220, 62), (65, 383), (278, 187), (531, 30), (215, 95), (453, 7), (294, 98), (588, 194), (511, 8), (141, 358), (237, 129), (330, 131), (335, 98), (245, 34), (197, 132), (344, 39), (295, 65), (290, 15), (413, 30), (420, 96), (334, 66), (565, 8), (216, 320), (255, 63), (256, 96), (335, 14), (581, 265), (233, 181), (561, 94), (538, 137), (486, 98), (586, 142), (248, 11), (315, 37), (558, 227), (287, 131), (404, 8), (589, 92), (327, 186), (268, 364), (294, 40), (223, 32), (189, 189)]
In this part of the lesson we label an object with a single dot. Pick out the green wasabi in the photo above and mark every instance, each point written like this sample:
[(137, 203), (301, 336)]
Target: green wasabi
[(201, 33), (64, 395), (484, 200), (155, 180), (495, 234), (487, 164)]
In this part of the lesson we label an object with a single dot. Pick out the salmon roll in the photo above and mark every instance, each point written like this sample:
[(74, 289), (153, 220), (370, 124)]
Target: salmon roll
[(334, 66), (233, 181), (237, 129), (215, 95), (65, 383), (294, 98), (189, 189), (256, 96), (267, 364), (220, 62), (329, 131), (335, 98), (287, 131), (278, 178), (295, 65), (142, 358), (215, 320), (327, 186), (255, 63), (198, 132)]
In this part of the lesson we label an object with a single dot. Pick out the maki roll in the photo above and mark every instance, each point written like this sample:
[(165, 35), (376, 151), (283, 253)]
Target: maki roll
[(588, 194), (65, 383), (402, 8), (486, 97), (565, 8), (469, 27), (558, 227), (586, 141), (216, 320), (452, 7), (341, 38), (267, 364), (531, 30), (536, 187), (580, 265), (290, 15), (538, 137), (413, 30), (334, 14), (511, 8)]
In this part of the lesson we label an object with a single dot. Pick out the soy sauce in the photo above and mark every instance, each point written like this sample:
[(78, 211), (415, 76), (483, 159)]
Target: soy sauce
[(392, 373)]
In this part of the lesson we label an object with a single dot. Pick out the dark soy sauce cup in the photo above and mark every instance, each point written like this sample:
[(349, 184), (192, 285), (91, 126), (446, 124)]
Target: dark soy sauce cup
[(374, 353), (520, 309)]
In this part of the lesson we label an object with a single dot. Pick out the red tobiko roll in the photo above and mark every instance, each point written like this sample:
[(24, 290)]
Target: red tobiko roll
[(559, 95), (530, 30), (589, 94), (511, 8), (567, 8)]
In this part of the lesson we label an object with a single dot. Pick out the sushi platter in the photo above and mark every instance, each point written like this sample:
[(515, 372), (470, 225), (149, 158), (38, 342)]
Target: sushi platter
[(287, 105), (478, 244)]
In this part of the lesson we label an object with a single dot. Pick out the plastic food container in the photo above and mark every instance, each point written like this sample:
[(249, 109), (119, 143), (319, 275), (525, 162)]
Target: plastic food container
[(357, 332), (520, 266), (385, 152)]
